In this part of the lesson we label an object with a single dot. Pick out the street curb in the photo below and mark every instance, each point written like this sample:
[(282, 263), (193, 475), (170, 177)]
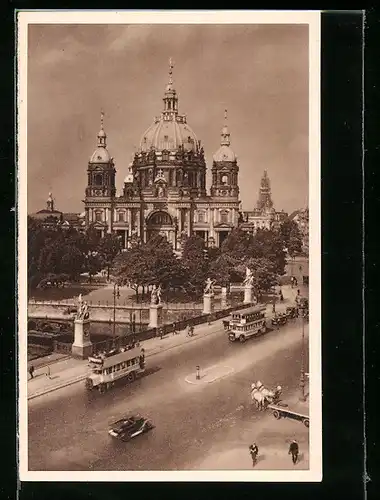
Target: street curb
[(80, 378)]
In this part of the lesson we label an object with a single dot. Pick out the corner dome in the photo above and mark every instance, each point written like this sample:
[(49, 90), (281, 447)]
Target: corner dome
[(224, 153), (100, 155)]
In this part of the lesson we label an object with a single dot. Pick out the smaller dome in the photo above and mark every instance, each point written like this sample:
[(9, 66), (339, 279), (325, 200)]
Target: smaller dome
[(100, 155), (224, 153), (101, 133)]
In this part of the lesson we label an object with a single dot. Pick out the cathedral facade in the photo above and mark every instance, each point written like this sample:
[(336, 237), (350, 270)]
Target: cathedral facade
[(165, 189)]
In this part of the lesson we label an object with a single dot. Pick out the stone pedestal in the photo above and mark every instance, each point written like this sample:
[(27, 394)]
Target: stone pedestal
[(247, 294), (82, 346), (207, 303), (155, 315)]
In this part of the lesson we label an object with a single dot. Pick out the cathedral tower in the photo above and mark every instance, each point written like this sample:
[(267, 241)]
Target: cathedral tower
[(265, 202), (224, 168), (100, 185)]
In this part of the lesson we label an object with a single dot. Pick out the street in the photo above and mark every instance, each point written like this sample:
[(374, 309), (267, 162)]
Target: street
[(67, 429)]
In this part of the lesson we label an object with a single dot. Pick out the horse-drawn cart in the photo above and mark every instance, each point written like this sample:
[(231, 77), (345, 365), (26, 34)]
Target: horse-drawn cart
[(279, 411)]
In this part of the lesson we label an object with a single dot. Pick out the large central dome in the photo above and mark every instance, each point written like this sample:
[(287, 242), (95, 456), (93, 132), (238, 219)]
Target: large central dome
[(170, 131)]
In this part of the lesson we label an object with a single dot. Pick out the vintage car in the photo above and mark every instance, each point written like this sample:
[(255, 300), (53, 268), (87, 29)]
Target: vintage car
[(129, 427), (291, 312), (279, 319)]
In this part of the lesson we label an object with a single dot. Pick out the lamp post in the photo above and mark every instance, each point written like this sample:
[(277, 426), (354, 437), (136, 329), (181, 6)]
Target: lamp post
[(116, 295), (302, 376)]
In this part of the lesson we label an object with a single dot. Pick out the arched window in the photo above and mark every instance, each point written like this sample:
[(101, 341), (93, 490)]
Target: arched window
[(121, 217), (224, 216), (165, 156), (98, 179), (98, 216), (201, 216), (160, 219)]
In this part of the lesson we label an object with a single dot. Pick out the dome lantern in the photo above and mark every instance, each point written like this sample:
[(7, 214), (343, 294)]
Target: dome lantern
[(101, 154), (169, 132), (225, 153)]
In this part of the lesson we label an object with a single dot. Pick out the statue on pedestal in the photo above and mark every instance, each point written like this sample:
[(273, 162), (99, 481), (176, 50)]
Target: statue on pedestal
[(156, 295), (82, 309), (248, 280), (209, 289)]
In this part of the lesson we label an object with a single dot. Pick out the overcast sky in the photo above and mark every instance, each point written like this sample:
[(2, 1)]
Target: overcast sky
[(258, 72)]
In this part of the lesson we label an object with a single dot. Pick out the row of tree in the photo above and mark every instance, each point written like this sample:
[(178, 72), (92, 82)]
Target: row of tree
[(155, 262), (67, 252), (56, 252)]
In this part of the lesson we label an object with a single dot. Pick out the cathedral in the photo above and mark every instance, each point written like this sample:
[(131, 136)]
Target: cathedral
[(165, 188)]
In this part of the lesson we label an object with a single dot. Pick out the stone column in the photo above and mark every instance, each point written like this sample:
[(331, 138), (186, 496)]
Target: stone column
[(155, 315), (207, 303), (223, 297), (247, 294), (82, 346)]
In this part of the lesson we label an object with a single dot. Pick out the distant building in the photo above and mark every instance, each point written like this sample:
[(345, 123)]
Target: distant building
[(52, 218), (165, 188), (264, 216)]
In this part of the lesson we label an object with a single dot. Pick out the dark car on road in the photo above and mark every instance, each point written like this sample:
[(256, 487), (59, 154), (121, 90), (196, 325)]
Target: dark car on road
[(292, 312), (279, 319), (129, 427)]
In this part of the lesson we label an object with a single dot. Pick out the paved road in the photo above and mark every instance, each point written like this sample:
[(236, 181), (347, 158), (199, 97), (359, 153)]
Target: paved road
[(68, 429)]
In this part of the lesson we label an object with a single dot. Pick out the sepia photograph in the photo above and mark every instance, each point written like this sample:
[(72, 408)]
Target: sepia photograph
[(169, 287)]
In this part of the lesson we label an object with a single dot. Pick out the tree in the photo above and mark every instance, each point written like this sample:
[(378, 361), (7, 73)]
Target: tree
[(264, 272), (163, 264), (220, 270), (268, 244), (237, 245), (108, 247), (196, 264), (151, 263), (291, 237)]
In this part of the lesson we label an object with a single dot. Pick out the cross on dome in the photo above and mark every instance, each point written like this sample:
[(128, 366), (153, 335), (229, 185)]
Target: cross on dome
[(225, 140), (171, 66)]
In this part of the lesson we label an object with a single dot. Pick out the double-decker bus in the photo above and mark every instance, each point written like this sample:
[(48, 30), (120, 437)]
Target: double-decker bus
[(107, 368), (247, 323)]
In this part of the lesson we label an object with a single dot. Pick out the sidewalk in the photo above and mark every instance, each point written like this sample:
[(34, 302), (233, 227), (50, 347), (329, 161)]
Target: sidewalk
[(68, 371)]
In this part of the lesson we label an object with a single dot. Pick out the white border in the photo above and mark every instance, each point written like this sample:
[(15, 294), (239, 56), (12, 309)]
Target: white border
[(312, 18)]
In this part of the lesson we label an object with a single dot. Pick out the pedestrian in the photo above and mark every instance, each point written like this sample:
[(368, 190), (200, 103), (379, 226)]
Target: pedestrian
[(175, 329), (31, 371), (48, 372), (281, 296), (209, 320), (253, 451), (161, 333), (294, 450)]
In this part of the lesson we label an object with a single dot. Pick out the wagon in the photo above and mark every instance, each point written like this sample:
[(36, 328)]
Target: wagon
[(284, 412)]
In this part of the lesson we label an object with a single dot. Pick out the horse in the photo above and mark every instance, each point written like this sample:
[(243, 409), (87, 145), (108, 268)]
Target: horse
[(270, 396), (257, 398)]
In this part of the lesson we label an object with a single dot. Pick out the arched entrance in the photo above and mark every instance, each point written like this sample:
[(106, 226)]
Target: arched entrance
[(160, 223)]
